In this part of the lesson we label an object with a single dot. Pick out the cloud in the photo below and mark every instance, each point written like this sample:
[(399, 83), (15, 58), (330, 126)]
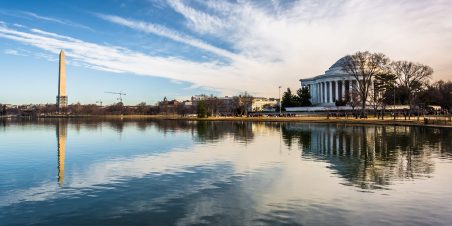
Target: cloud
[(19, 25), (11, 52), (202, 22), (303, 38), (118, 59), (269, 44), (16, 52), (31, 15), (167, 33)]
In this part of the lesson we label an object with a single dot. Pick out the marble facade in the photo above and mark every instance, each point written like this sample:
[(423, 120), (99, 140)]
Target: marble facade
[(334, 85)]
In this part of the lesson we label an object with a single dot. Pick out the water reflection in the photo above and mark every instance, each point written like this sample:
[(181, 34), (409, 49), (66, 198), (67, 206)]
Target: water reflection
[(217, 173), (371, 156), (61, 133)]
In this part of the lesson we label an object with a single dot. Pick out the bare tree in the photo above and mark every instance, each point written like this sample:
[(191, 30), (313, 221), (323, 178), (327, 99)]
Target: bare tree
[(363, 66), (243, 103), (412, 77), (353, 100), (212, 104), (383, 85)]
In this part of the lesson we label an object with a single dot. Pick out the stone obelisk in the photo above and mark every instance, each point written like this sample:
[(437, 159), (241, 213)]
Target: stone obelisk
[(62, 98)]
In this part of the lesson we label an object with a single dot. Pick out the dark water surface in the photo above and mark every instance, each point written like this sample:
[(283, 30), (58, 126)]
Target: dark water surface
[(86, 172)]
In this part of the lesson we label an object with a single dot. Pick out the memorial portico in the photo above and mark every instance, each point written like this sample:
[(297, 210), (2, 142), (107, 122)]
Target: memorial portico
[(334, 85)]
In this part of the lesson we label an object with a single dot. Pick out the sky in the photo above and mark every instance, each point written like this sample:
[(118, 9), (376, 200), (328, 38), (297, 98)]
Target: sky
[(151, 49)]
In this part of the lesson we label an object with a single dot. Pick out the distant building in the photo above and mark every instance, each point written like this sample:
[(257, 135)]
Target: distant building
[(334, 85), (263, 104), (168, 106)]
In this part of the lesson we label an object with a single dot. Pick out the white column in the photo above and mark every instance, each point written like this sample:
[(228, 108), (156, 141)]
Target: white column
[(331, 92), (322, 92), (350, 84), (337, 89), (319, 91), (325, 94), (343, 89), (311, 91)]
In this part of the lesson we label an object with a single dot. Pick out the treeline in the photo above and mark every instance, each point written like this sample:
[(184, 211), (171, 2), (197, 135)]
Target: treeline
[(206, 106), (381, 81), (202, 106)]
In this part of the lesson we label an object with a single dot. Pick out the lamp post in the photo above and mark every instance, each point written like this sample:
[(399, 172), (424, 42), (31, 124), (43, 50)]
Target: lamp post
[(280, 105), (393, 87)]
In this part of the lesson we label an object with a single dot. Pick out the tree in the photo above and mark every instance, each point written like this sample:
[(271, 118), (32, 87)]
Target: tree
[(411, 77), (142, 108), (442, 94), (288, 99), (383, 90), (353, 99), (243, 103), (212, 105), (303, 97), (117, 108), (202, 109), (363, 66)]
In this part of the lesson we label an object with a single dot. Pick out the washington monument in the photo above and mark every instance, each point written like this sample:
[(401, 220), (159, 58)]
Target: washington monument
[(62, 98)]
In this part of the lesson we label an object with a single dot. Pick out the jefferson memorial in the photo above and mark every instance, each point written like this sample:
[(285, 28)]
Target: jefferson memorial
[(334, 85)]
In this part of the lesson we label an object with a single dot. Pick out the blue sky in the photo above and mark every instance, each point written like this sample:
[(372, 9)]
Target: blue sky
[(179, 48)]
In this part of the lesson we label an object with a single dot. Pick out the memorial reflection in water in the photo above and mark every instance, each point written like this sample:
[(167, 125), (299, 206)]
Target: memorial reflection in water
[(371, 156)]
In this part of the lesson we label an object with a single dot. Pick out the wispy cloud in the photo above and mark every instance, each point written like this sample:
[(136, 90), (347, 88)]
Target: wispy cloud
[(202, 22), (167, 33), (16, 52), (11, 52), (31, 15), (19, 25)]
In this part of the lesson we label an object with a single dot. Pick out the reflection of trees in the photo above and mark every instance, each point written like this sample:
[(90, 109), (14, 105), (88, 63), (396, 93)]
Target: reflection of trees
[(3, 121), (302, 137), (209, 131), (371, 156)]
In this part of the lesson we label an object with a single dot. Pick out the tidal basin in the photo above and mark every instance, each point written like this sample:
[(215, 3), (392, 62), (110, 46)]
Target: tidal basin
[(145, 172)]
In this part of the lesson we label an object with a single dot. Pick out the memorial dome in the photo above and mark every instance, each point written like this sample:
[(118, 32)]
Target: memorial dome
[(337, 68), (340, 63)]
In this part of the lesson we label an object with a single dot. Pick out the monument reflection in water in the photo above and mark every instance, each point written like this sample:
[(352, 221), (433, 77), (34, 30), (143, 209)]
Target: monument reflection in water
[(61, 133), (223, 173)]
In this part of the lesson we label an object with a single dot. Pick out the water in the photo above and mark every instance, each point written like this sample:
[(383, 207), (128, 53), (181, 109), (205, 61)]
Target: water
[(88, 172)]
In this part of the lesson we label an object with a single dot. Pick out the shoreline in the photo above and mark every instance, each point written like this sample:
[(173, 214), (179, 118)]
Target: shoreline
[(306, 119)]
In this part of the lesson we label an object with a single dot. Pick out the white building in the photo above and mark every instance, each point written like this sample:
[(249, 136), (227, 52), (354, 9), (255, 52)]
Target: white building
[(334, 85), (263, 104)]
